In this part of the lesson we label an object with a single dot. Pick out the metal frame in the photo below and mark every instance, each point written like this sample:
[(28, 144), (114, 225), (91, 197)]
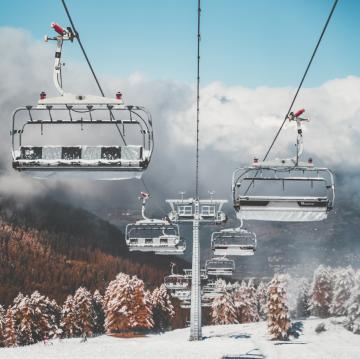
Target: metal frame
[(176, 281), (283, 208), (253, 207), (226, 270), (154, 243), (233, 242), (138, 116), (71, 105), (210, 210)]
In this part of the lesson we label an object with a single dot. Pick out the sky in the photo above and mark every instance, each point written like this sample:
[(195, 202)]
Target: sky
[(249, 43), (253, 55)]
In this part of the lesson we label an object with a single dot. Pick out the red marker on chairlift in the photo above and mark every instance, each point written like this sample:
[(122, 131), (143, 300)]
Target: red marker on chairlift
[(58, 28), (299, 112)]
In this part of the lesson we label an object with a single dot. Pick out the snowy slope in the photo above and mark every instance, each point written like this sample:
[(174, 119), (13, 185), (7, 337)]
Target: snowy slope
[(336, 342)]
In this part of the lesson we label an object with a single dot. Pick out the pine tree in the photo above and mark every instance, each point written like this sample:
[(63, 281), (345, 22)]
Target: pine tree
[(162, 308), (23, 314), (2, 326), (142, 306), (343, 284), (353, 307), (278, 313), (68, 318), (251, 314), (84, 312), (10, 338), (99, 315), (261, 296), (223, 310), (302, 300), (45, 318), (126, 306), (321, 292), (244, 297)]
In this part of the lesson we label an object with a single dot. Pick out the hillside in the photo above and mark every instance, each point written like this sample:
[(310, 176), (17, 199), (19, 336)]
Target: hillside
[(54, 248)]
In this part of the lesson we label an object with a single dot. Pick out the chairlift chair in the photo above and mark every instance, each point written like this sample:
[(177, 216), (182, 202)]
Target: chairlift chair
[(188, 273), (176, 281), (68, 157), (183, 210), (220, 266), (153, 235), (212, 287), (233, 242), (182, 294), (287, 190)]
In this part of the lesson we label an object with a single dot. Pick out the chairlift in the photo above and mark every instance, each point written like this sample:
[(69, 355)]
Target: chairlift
[(287, 190), (233, 242), (210, 291), (65, 118), (188, 273), (153, 235), (182, 294), (210, 210), (176, 281), (212, 287), (220, 266)]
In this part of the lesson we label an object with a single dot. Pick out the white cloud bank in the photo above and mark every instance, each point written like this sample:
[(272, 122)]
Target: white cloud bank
[(237, 123)]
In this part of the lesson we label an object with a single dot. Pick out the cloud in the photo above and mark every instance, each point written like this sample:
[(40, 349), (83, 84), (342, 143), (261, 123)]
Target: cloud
[(237, 123)]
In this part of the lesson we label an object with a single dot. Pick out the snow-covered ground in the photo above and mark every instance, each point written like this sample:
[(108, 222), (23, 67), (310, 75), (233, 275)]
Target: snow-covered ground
[(336, 342)]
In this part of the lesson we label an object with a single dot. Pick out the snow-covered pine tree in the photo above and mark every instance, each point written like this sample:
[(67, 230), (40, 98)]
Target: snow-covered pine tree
[(99, 315), (116, 304), (321, 292), (223, 309), (142, 306), (23, 315), (302, 300), (68, 318), (353, 307), (278, 319), (261, 296), (84, 313), (54, 312), (10, 337), (126, 306), (162, 308), (45, 323), (251, 314), (2, 325), (245, 301), (343, 284)]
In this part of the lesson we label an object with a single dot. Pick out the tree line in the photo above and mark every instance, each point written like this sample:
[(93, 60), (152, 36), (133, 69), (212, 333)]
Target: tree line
[(125, 308), (331, 292)]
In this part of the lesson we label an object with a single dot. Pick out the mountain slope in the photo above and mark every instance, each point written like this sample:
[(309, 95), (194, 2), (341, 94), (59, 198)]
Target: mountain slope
[(54, 248)]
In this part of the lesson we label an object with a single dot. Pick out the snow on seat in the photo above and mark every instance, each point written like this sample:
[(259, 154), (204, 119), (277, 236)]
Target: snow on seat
[(89, 160), (220, 266), (285, 209), (233, 242)]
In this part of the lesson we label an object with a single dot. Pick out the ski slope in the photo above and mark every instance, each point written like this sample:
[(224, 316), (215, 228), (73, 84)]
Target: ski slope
[(336, 342)]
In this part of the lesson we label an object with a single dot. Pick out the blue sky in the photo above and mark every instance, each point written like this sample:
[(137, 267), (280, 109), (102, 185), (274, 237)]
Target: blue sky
[(244, 42)]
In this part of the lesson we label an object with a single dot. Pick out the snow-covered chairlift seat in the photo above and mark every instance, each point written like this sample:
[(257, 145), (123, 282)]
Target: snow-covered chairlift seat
[(98, 162), (289, 207), (233, 242), (176, 281), (152, 235), (220, 267)]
